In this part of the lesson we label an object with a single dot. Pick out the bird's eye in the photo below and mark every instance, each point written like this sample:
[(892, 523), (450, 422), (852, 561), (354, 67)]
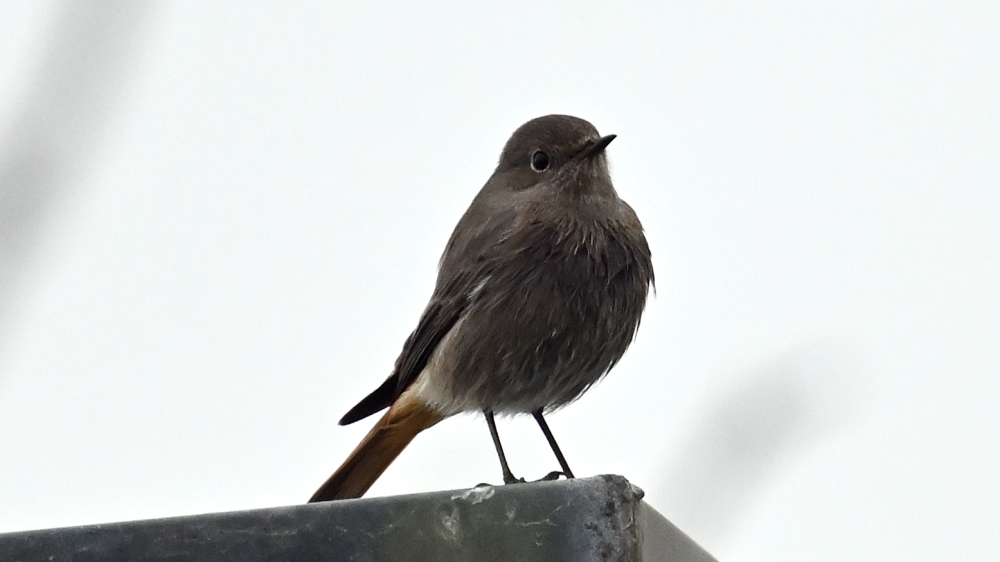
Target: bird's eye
[(539, 161)]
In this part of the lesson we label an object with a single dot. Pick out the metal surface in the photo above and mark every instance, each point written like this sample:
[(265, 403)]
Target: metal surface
[(586, 519)]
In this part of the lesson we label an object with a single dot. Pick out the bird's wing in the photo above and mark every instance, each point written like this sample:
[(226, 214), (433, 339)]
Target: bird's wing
[(441, 314), (466, 264)]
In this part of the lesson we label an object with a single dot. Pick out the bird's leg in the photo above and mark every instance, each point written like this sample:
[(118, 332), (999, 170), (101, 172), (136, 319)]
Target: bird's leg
[(508, 477), (555, 448)]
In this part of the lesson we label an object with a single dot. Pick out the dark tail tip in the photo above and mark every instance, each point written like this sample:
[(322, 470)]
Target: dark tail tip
[(380, 399)]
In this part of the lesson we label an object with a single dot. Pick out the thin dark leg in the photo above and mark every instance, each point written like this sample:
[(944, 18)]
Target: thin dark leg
[(508, 477), (552, 443)]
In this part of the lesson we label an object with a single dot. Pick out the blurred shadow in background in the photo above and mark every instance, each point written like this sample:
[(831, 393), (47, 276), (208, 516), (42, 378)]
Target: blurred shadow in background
[(753, 427), (54, 130)]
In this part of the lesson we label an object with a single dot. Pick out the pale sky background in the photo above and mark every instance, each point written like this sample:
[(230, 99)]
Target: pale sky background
[(230, 219)]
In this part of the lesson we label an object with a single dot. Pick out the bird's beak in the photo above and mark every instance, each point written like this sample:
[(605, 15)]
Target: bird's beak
[(598, 146)]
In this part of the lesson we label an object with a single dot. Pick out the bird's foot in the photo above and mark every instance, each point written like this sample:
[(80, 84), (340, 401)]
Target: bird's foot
[(508, 476), (507, 479), (554, 475), (511, 479)]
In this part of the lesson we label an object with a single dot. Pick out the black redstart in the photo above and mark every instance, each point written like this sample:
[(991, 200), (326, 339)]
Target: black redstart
[(539, 292)]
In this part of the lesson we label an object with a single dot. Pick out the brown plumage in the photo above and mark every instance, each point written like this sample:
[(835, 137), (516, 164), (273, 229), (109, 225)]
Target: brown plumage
[(539, 293), (405, 419)]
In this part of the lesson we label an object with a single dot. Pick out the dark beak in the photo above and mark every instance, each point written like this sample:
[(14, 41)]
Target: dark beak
[(598, 146)]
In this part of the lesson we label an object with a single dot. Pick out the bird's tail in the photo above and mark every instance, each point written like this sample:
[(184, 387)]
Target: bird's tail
[(407, 417)]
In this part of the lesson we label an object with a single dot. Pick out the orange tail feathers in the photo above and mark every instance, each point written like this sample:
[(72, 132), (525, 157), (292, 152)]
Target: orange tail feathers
[(407, 417)]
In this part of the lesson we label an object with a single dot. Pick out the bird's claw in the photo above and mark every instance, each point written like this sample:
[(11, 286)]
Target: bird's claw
[(554, 475), (511, 479)]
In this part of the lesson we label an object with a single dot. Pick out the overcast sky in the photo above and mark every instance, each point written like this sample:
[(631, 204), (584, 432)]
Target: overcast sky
[(220, 223)]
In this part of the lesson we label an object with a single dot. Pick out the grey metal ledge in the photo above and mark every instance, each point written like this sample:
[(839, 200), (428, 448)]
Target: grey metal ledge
[(586, 519)]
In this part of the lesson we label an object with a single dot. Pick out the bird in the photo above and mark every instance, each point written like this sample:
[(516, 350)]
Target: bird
[(539, 292)]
